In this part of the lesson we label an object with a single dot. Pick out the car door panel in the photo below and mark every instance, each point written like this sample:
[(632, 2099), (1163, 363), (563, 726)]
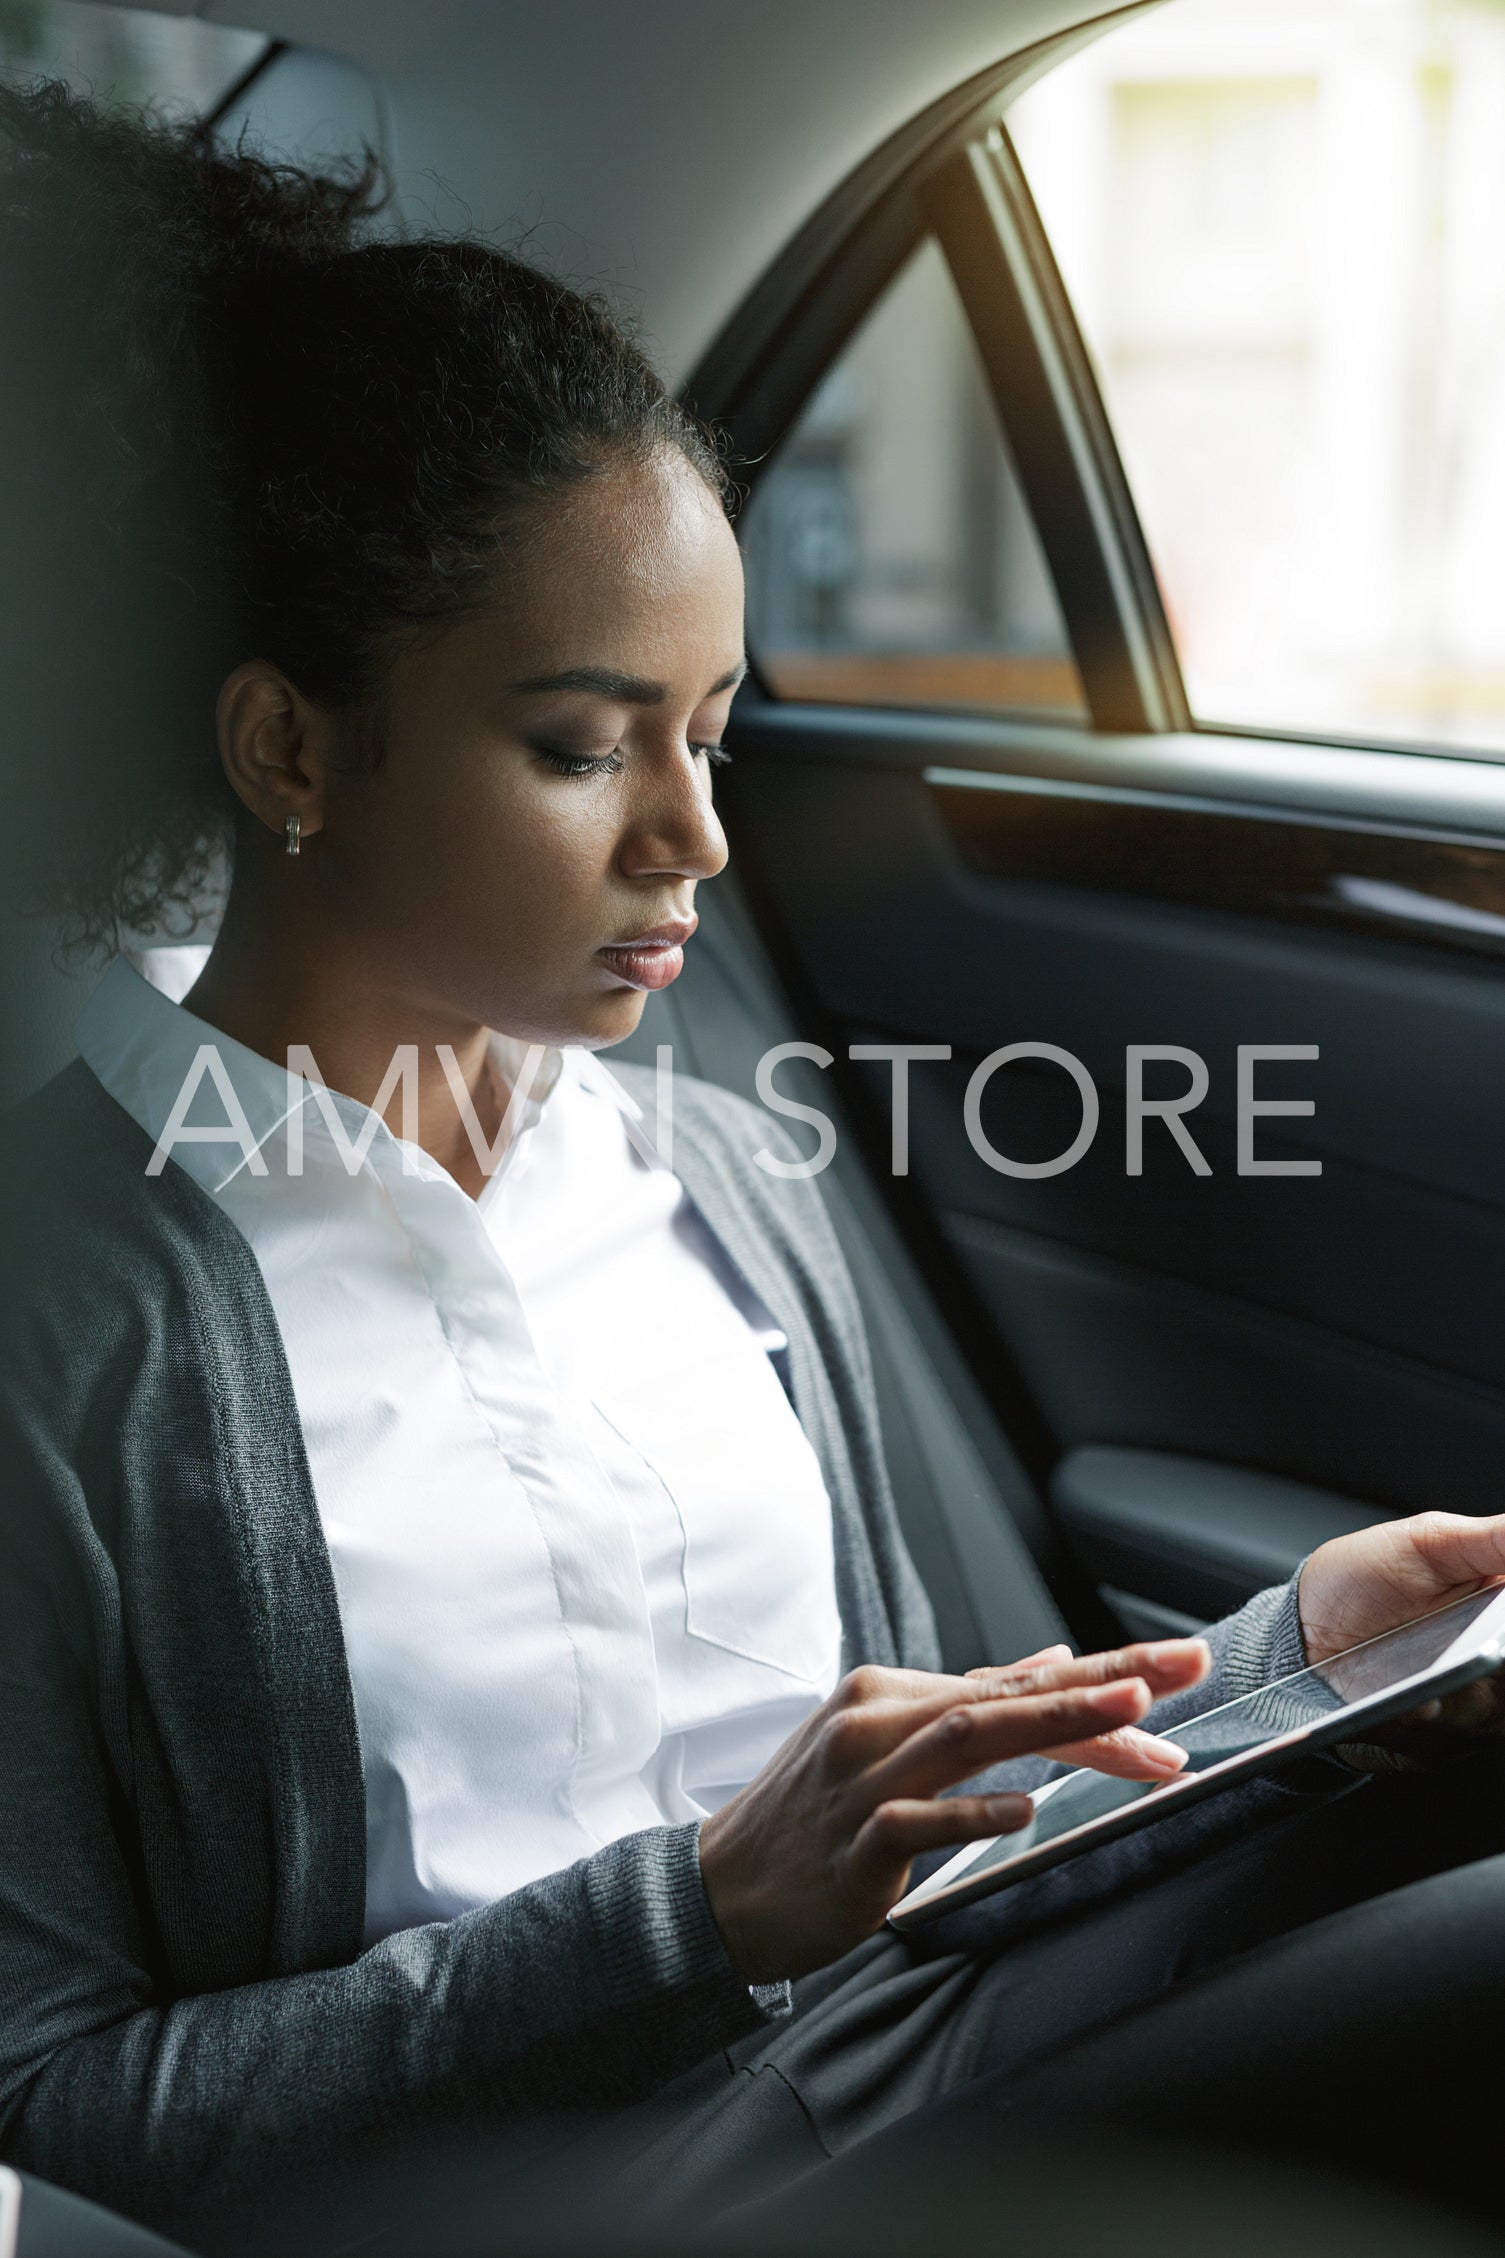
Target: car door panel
[(1115, 1354), (1339, 1330)]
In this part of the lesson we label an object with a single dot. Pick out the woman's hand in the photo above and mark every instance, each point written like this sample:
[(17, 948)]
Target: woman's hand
[(806, 1861), (1358, 1586)]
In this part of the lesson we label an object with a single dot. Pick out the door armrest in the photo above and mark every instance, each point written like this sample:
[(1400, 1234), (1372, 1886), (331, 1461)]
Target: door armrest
[(1190, 1533)]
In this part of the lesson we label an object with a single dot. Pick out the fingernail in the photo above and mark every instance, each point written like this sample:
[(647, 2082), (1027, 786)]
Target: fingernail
[(1010, 1812), (1166, 1652), (1161, 1752)]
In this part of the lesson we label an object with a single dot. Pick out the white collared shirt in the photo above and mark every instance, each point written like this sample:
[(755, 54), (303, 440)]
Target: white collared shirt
[(581, 1544)]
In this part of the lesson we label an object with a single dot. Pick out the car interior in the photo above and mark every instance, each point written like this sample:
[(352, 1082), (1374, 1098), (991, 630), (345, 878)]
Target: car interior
[(1110, 395)]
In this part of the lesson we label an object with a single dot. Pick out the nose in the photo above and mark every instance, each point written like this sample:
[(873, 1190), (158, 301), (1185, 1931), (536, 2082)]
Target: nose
[(674, 830)]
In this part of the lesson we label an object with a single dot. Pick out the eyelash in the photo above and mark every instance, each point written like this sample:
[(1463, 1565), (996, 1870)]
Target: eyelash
[(582, 765), (578, 764)]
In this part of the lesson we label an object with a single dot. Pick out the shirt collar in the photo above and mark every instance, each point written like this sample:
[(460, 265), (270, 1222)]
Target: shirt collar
[(142, 1046), (592, 1072)]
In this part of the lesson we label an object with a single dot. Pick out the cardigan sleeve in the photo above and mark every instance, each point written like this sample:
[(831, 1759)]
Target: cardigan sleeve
[(585, 1989), (185, 2010)]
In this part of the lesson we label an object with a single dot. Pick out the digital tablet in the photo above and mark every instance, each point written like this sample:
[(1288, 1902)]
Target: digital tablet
[(10, 2211), (1339, 1700)]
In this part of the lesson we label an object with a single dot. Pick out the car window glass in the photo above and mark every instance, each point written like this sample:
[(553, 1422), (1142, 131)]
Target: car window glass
[(1281, 225), (124, 54), (891, 559)]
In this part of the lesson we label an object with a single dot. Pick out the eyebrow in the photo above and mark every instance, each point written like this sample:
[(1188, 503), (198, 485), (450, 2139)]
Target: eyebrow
[(607, 682)]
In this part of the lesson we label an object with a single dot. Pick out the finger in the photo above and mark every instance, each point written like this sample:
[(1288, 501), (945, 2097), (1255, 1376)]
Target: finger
[(1468, 1709), (880, 1710), (1166, 1665), (900, 1830), (883, 1692), (870, 1683), (1124, 1755), (874, 1711), (971, 1736), (1060, 1653), (1460, 1549)]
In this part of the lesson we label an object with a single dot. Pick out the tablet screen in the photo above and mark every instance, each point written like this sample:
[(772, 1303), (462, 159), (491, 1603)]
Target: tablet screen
[(1239, 1728)]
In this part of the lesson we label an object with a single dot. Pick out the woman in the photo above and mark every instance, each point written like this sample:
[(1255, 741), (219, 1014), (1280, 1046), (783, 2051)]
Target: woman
[(461, 1660)]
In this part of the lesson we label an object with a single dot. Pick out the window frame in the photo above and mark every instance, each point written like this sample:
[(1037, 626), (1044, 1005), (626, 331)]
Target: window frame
[(951, 174)]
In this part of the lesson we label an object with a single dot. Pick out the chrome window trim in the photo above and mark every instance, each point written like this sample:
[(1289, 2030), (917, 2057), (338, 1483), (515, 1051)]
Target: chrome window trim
[(1414, 794)]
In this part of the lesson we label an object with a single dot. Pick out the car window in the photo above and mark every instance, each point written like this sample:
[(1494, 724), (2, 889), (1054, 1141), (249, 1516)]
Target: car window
[(124, 54), (891, 559), (1281, 225)]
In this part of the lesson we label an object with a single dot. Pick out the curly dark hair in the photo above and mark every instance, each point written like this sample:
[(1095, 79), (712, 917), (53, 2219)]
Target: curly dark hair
[(243, 425)]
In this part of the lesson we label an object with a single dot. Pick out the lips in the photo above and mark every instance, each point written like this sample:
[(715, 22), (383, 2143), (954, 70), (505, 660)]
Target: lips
[(651, 959)]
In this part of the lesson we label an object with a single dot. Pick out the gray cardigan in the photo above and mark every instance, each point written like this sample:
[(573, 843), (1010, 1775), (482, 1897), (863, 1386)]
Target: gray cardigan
[(185, 2003)]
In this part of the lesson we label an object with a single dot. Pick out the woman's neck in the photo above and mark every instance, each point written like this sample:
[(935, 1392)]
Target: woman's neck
[(300, 992)]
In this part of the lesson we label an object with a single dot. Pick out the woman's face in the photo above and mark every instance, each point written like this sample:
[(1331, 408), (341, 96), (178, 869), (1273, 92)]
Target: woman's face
[(543, 795)]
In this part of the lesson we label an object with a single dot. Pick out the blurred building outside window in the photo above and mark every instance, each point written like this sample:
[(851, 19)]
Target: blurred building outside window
[(1282, 226), (891, 559)]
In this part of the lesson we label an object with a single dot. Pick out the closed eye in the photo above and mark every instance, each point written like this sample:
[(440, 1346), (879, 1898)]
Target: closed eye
[(607, 764), (578, 764)]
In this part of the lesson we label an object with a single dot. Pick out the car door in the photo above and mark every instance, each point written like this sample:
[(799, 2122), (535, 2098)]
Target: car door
[(1197, 948)]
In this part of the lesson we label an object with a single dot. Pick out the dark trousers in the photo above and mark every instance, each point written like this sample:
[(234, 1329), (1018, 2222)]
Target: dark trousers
[(1311, 1979), (1315, 1979)]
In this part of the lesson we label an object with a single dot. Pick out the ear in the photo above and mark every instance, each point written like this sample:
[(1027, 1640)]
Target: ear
[(274, 747)]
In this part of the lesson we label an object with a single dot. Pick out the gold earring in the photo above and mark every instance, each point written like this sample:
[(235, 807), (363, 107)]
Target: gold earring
[(294, 832)]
